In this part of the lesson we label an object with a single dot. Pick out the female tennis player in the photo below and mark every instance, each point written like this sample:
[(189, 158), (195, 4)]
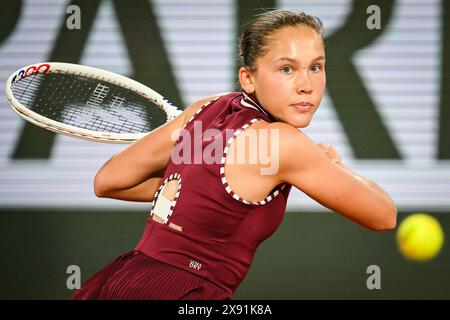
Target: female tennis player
[(219, 175)]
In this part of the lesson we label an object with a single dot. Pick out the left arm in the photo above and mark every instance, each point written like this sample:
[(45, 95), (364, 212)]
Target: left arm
[(335, 157), (304, 165)]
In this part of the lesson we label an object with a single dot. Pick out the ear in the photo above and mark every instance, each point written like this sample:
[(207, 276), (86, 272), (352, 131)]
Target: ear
[(246, 80)]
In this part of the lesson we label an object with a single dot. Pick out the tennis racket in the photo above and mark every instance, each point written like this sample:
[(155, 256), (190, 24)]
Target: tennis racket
[(86, 102)]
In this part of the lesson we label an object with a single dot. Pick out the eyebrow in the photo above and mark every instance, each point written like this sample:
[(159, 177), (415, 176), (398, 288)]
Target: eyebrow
[(294, 61)]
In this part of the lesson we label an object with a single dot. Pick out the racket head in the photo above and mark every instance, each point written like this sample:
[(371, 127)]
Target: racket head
[(108, 121)]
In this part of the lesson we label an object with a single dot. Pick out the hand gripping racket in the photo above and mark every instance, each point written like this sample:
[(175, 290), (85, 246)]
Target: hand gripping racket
[(87, 103)]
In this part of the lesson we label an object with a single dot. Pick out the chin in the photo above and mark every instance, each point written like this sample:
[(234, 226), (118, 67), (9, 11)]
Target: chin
[(302, 125)]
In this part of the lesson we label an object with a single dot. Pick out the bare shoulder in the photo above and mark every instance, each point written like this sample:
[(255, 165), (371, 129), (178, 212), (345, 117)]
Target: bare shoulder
[(291, 147), (288, 132), (286, 138), (289, 139), (295, 149)]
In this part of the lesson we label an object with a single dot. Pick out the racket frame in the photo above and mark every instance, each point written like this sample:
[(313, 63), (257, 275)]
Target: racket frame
[(92, 73)]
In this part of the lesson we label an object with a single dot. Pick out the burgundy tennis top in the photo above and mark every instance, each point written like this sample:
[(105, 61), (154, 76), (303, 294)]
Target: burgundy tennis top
[(211, 231)]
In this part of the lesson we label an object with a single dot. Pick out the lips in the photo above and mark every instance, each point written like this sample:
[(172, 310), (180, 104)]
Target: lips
[(303, 106)]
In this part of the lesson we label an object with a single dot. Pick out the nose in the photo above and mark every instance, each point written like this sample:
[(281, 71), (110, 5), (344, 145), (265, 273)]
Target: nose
[(303, 83)]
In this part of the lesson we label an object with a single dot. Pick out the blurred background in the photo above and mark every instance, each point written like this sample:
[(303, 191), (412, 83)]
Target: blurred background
[(386, 110)]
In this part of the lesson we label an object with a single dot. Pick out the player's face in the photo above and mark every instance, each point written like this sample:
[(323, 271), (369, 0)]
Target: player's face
[(289, 80)]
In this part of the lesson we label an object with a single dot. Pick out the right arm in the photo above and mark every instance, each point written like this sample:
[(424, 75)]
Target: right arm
[(135, 173)]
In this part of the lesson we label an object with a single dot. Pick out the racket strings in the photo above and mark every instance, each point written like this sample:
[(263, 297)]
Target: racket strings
[(86, 103)]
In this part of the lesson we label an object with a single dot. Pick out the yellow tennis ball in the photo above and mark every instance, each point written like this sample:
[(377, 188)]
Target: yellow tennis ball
[(420, 237)]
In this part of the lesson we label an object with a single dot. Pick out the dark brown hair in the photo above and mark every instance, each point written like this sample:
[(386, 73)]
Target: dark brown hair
[(254, 40)]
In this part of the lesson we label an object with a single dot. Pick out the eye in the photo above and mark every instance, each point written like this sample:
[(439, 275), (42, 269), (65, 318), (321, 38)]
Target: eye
[(316, 68), (287, 69)]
